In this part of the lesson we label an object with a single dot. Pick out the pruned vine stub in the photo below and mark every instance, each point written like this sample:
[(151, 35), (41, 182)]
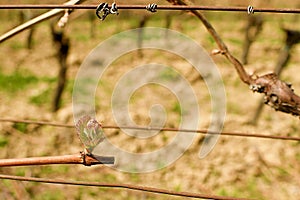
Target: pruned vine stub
[(278, 94)]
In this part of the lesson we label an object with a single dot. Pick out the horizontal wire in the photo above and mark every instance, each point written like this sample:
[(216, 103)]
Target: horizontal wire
[(159, 7), (238, 134), (37, 122), (119, 185)]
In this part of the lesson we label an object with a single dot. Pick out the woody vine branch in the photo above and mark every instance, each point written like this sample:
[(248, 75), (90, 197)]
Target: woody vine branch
[(278, 94)]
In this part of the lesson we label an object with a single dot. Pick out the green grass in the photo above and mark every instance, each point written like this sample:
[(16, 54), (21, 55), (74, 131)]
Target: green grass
[(135, 177), (176, 108), (17, 81), (169, 74), (109, 178), (210, 40), (234, 108), (23, 80), (294, 129), (283, 173), (43, 98), (249, 190), (178, 188), (3, 141), (298, 156), (165, 137), (20, 171), (50, 195), (222, 192), (22, 127), (236, 41), (16, 45), (84, 37), (47, 170), (46, 96)]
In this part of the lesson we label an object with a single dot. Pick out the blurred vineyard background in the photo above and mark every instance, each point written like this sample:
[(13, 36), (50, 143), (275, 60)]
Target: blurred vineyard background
[(237, 166)]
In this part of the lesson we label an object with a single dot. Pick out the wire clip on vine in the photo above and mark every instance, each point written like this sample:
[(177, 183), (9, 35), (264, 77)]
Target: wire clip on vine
[(151, 7), (104, 9), (250, 10), (114, 9)]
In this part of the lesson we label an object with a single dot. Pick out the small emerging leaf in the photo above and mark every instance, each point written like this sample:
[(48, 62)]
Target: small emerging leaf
[(90, 132)]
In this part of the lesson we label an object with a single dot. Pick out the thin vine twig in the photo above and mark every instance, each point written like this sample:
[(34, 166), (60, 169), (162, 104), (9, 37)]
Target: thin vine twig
[(278, 94), (120, 185), (36, 20), (80, 158)]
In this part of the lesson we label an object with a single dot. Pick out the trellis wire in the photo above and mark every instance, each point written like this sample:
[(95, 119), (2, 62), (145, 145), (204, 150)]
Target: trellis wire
[(119, 185), (129, 186), (238, 134), (159, 7)]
